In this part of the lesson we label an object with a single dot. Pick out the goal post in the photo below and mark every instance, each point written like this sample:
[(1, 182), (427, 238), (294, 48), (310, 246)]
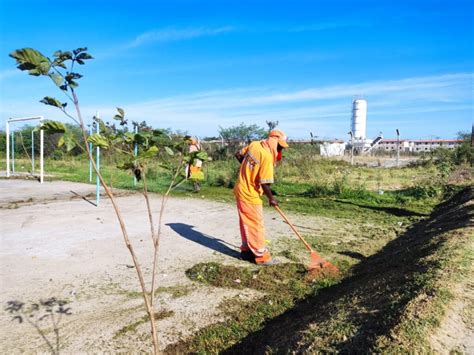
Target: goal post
[(7, 134)]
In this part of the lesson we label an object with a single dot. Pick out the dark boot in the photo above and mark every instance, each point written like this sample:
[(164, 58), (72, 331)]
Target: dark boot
[(247, 255)]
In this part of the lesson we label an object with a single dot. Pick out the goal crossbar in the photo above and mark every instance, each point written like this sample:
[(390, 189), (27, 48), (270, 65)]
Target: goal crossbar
[(7, 133)]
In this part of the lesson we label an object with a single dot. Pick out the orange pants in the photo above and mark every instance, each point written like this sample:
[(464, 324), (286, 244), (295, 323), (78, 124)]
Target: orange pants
[(252, 231)]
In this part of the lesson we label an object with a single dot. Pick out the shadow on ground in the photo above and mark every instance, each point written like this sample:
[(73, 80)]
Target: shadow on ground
[(187, 231), (43, 316), (399, 212), (372, 299)]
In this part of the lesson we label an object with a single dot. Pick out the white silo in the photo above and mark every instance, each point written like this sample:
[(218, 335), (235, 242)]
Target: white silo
[(359, 118)]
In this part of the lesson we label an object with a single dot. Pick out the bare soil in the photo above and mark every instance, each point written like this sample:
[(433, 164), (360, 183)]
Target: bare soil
[(456, 331), (56, 244)]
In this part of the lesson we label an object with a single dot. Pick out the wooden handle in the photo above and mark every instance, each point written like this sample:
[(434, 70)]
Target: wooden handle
[(293, 228)]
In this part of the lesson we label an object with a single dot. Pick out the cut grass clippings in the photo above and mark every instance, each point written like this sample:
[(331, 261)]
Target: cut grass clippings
[(282, 286), (132, 328), (391, 300)]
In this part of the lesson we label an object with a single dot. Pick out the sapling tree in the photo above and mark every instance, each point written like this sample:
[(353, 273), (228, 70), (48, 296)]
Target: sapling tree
[(60, 68)]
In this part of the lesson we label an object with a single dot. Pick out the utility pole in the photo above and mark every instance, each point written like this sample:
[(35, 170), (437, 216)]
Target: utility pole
[(352, 147), (398, 148), (472, 146)]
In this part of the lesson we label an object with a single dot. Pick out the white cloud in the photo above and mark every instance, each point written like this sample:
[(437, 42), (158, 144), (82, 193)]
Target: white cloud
[(177, 34), (415, 102), (313, 108)]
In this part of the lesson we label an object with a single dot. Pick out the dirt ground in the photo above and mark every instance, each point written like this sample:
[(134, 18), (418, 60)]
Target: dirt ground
[(56, 244)]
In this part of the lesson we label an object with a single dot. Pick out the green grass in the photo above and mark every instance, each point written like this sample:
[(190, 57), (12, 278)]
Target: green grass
[(313, 186), (175, 291), (389, 302), (132, 327), (283, 286), (360, 211)]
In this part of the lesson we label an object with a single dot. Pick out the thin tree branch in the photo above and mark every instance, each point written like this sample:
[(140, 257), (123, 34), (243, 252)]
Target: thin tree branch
[(148, 305), (164, 200)]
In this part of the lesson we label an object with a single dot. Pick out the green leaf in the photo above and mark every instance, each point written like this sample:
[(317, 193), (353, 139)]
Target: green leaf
[(98, 140), (126, 165), (84, 56), (169, 151), (61, 142), (202, 155), (147, 154), (79, 50), (70, 141), (66, 55), (31, 60), (141, 138), (51, 101), (120, 115), (58, 79), (128, 137), (51, 127), (61, 57), (58, 63), (166, 166)]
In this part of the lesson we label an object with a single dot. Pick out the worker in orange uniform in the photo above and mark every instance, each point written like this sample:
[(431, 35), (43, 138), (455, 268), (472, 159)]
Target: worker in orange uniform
[(193, 169), (258, 160)]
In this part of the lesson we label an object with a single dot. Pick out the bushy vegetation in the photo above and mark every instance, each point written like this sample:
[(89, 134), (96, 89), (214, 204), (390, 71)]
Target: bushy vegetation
[(302, 174)]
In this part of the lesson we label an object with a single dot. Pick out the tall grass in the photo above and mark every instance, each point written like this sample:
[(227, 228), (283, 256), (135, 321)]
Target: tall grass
[(302, 173)]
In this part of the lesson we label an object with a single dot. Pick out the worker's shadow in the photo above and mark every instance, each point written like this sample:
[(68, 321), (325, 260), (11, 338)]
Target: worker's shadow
[(187, 231)]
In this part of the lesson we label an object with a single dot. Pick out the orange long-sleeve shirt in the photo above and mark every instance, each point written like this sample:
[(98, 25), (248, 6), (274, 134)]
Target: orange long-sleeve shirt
[(255, 169)]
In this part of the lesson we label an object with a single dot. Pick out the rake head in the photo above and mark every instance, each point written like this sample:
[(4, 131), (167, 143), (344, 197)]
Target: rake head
[(319, 266)]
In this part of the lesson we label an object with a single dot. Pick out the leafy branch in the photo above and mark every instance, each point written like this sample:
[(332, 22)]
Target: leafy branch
[(60, 69)]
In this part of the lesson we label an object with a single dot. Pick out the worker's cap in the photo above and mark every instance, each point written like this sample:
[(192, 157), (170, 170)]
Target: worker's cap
[(191, 140), (281, 136)]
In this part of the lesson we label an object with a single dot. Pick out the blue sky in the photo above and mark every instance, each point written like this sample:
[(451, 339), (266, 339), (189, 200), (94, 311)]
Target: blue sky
[(196, 66)]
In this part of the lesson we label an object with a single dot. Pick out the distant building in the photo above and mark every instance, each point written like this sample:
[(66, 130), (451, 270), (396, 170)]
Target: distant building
[(332, 149), (418, 146)]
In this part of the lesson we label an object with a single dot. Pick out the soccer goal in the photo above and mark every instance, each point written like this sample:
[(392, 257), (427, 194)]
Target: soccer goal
[(10, 138)]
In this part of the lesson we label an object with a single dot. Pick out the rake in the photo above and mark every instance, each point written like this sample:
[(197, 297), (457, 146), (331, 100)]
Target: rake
[(317, 263)]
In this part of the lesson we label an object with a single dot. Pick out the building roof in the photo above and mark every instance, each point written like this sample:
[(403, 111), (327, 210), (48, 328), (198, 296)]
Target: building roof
[(423, 141)]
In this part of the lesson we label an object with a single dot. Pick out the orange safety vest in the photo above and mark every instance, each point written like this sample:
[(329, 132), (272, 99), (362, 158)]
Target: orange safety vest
[(256, 169)]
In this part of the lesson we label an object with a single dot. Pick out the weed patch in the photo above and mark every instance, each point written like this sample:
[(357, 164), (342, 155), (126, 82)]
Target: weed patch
[(175, 291), (282, 285), (391, 300), (132, 328)]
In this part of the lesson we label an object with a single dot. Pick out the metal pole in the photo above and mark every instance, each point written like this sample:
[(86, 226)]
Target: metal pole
[(90, 149), (7, 135), (472, 145), (97, 162), (352, 147), (33, 151), (398, 148), (13, 152), (135, 153), (41, 151)]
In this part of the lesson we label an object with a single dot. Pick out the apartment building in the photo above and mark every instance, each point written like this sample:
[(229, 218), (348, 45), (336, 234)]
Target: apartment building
[(418, 145)]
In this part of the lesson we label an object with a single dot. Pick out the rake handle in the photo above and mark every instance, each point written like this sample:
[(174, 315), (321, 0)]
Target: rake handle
[(294, 229)]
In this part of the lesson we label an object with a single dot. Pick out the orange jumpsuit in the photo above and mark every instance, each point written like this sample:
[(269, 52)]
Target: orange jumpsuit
[(255, 169)]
